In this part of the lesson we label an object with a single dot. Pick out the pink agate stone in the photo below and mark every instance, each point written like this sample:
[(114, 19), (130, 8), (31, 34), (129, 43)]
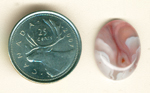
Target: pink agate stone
[(117, 49)]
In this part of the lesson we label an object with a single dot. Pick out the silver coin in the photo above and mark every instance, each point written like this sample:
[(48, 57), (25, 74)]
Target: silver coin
[(44, 46)]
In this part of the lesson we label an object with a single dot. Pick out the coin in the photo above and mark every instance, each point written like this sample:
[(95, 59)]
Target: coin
[(44, 46)]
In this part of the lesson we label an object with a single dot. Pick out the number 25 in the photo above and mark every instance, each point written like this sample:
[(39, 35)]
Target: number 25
[(42, 32)]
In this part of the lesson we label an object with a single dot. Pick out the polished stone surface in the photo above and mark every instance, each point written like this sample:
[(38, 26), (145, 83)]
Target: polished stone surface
[(117, 49)]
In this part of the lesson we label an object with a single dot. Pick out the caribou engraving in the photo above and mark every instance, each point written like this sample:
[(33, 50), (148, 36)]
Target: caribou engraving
[(37, 52)]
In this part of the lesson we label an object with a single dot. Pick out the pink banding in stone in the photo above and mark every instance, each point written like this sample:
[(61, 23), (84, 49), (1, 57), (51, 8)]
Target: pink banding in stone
[(117, 49)]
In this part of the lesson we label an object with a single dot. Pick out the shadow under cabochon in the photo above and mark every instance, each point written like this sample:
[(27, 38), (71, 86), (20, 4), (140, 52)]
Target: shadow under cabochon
[(117, 49)]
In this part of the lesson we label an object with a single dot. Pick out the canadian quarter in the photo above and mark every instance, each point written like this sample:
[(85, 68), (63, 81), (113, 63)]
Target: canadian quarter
[(44, 46)]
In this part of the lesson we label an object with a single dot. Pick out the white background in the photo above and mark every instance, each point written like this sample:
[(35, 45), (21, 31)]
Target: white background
[(88, 16)]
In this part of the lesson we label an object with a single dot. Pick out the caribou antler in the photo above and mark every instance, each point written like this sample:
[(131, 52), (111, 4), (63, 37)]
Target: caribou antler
[(31, 41), (55, 31)]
